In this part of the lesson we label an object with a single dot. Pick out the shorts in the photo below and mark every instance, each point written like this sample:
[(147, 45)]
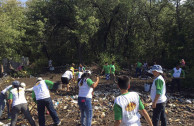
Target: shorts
[(107, 76), (65, 80)]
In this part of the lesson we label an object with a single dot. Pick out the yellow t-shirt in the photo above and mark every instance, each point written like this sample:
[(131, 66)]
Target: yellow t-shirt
[(71, 68)]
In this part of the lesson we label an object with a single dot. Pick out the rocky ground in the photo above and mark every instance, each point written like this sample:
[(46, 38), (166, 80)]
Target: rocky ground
[(179, 109)]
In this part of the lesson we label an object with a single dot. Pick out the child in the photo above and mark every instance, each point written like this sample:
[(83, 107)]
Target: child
[(106, 69), (158, 96), (81, 68), (112, 71), (177, 73), (86, 86), (18, 102), (128, 105), (66, 78)]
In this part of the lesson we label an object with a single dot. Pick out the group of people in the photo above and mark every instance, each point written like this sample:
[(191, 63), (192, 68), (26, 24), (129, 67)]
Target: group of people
[(109, 70), (127, 107)]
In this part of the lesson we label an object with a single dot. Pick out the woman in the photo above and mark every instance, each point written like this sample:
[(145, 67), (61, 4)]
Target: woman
[(18, 101), (86, 86)]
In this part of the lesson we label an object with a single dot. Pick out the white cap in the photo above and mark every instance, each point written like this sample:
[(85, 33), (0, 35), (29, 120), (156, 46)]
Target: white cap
[(39, 79), (88, 71), (23, 84)]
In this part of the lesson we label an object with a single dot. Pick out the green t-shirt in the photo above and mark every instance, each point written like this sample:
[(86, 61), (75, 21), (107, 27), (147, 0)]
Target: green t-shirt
[(159, 86), (112, 67), (118, 110), (106, 68), (89, 82), (139, 65)]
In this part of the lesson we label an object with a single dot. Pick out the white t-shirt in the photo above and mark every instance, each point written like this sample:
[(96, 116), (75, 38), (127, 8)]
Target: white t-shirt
[(6, 89), (79, 75), (41, 90), (18, 99), (130, 107), (162, 97), (85, 90), (177, 73), (68, 74)]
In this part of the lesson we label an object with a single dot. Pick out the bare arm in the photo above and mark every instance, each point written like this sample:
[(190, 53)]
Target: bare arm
[(10, 103), (146, 116), (117, 123), (95, 84), (155, 100)]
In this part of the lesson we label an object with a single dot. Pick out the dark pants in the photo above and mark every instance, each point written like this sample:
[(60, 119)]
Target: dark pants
[(24, 109), (176, 81), (159, 115), (2, 106), (41, 104), (138, 72)]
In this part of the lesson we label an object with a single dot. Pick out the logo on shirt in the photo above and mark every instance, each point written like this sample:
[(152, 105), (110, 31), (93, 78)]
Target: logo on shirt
[(130, 107)]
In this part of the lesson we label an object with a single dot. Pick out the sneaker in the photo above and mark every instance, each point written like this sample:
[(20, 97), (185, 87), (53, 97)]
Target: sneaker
[(58, 124)]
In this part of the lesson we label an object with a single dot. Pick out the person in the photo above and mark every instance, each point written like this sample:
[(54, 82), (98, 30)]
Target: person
[(18, 102), (72, 68), (81, 68), (42, 97), (158, 96), (138, 69), (67, 77), (128, 105), (112, 71), (86, 87), (182, 63), (79, 74), (106, 69), (177, 73), (3, 100)]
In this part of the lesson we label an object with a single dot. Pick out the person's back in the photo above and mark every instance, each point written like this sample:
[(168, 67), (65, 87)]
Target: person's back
[(68, 74), (41, 90), (18, 96), (129, 104)]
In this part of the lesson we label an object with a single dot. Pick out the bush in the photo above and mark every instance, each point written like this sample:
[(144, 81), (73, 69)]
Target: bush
[(189, 78)]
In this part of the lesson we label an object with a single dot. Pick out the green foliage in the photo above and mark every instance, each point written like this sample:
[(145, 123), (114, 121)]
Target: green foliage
[(188, 81)]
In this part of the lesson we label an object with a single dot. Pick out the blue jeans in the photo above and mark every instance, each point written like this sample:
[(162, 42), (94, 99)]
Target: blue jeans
[(138, 71), (159, 115), (41, 104), (107, 76), (2, 106), (85, 106)]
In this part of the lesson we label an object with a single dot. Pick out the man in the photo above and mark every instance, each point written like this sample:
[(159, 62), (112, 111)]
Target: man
[(177, 74), (42, 97), (106, 69)]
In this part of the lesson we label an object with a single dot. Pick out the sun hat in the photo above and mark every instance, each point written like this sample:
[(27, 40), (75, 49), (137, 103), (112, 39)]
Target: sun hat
[(16, 83), (157, 68)]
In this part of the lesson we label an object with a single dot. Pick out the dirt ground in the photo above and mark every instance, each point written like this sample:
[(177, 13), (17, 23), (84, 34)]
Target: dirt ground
[(178, 114)]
